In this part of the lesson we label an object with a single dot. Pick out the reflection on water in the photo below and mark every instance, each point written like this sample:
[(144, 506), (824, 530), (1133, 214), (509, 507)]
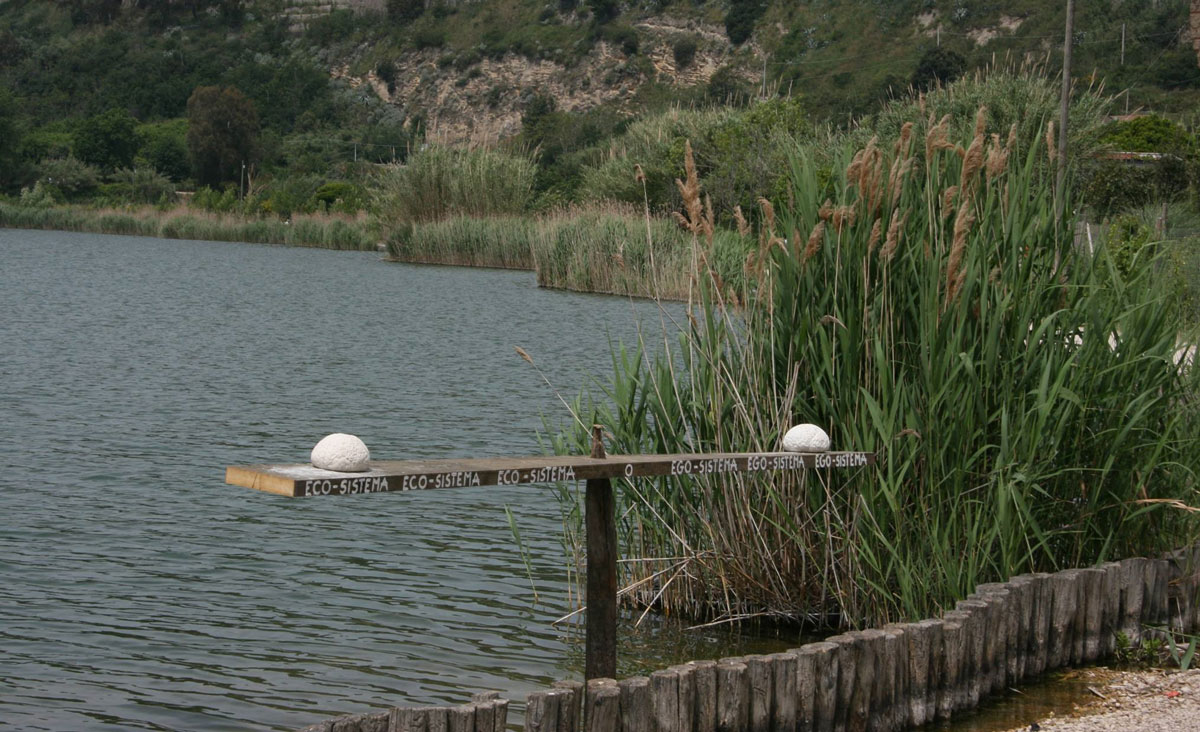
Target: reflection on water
[(1056, 695), (138, 591)]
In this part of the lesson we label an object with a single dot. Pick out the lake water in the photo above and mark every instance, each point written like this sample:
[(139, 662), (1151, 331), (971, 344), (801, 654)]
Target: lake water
[(137, 591)]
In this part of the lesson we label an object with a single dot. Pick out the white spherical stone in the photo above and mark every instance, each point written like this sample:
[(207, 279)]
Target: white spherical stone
[(341, 452), (806, 438)]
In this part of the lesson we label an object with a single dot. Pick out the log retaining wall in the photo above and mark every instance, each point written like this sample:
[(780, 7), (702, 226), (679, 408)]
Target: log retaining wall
[(892, 678)]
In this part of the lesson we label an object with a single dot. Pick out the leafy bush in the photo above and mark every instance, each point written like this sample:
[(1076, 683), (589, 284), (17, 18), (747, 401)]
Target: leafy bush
[(73, 177), (162, 146), (1150, 133), (740, 19), (42, 195), (684, 51), (139, 186)]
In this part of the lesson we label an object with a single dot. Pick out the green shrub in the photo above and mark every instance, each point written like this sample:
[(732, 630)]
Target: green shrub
[(684, 51), (76, 179)]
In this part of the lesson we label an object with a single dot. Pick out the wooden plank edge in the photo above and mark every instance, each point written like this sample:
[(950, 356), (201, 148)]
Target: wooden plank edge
[(252, 476)]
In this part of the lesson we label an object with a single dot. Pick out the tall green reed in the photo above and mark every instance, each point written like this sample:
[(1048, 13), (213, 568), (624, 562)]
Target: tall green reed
[(921, 300)]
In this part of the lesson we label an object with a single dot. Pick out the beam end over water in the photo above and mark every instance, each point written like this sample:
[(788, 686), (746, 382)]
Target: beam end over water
[(385, 476)]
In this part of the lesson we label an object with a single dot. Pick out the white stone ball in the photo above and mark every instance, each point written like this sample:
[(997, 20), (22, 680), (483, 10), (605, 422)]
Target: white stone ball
[(806, 438), (341, 452)]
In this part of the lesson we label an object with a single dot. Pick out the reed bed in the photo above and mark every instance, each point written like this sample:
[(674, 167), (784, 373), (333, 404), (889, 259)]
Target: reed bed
[(617, 251), (922, 301), (497, 241), (441, 182), (322, 231)]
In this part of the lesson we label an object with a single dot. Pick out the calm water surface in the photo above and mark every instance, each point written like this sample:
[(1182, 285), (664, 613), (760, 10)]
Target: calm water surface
[(138, 591)]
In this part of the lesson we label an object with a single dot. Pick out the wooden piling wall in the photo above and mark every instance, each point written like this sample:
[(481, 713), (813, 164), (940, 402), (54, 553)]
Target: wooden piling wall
[(893, 678)]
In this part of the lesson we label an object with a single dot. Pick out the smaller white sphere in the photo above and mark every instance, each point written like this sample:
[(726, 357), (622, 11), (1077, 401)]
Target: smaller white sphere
[(806, 438), (341, 452)]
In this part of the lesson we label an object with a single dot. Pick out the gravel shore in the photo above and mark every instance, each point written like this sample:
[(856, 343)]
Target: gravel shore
[(1135, 701)]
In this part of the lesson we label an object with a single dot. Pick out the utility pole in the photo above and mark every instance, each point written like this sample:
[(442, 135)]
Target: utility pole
[(1060, 182)]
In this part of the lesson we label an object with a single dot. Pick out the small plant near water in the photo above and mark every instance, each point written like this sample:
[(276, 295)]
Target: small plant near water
[(1159, 648)]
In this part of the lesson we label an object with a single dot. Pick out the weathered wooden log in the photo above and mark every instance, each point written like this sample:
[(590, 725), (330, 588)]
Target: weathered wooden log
[(602, 707), (409, 719), (438, 719), (864, 689), (918, 703), (1133, 595), (1110, 591), (1162, 578), (784, 694), (824, 660), (370, 722), (952, 692), (460, 719), (733, 696), (491, 715), (1043, 617), (1062, 617), (975, 668), (664, 689), (894, 680), (995, 596), (705, 684), (542, 710), (637, 705), (1093, 595), (761, 685), (1023, 590), (806, 688), (570, 705), (686, 673), (323, 726), (847, 660)]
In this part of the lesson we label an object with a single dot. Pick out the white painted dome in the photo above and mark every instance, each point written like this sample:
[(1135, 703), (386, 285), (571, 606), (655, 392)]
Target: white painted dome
[(341, 452), (806, 438)]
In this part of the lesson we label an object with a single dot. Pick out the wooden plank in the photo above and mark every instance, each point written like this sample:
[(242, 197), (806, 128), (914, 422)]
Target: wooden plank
[(299, 480)]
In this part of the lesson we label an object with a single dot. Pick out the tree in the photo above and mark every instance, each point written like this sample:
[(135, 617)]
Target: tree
[(938, 66), (107, 140), (10, 141), (740, 19), (222, 133), (405, 10)]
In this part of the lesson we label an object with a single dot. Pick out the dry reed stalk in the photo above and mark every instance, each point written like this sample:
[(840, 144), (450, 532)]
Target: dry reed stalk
[(1051, 148)]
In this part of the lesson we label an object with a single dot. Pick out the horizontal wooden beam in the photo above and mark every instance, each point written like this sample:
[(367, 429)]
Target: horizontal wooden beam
[(414, 475)]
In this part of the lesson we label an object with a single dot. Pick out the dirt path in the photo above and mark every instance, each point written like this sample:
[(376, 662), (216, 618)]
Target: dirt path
[(1135, 701)]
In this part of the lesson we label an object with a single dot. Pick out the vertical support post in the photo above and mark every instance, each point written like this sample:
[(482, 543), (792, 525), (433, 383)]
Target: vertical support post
[(1059, 192), (601, 643)]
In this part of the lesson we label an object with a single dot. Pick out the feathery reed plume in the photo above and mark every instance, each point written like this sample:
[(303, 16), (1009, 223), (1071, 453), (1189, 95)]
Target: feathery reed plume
[(980, 121), (876, 233), (826, 210), (743, 227), (955, 271), (796, 242), (895, 229), (814, 242), (973, 157), (768, 213), (1051, 148), (694, 221), (903, 148), (523, 354), (938, 137), (842, 217), (997, 158), (948, 200), (639, 175)]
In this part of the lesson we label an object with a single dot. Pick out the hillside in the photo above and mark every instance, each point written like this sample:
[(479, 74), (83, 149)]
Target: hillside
[(339, 81)]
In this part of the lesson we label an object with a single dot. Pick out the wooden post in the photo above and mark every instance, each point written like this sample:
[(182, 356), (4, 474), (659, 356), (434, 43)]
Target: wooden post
[(601, 652)]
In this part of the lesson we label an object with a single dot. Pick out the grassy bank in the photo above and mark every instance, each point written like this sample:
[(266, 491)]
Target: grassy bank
[(322, 231), (608, 250), (920, 299)]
